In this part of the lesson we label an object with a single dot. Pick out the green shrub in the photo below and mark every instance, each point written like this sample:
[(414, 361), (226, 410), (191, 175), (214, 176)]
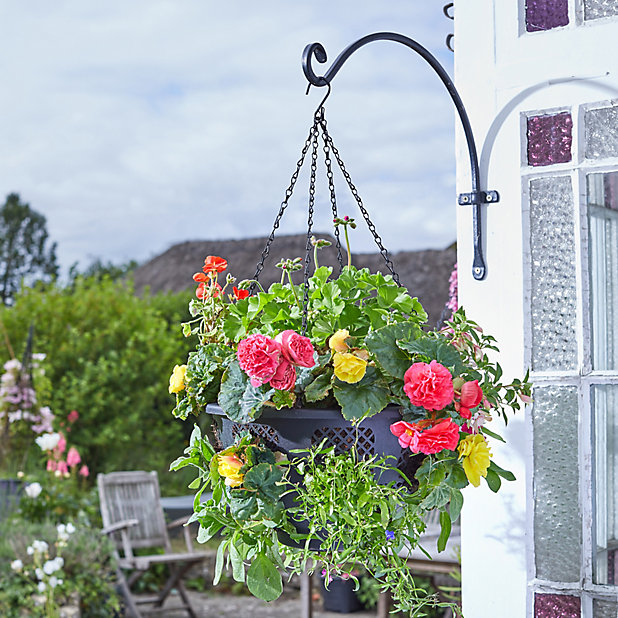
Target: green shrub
[(109, 356)]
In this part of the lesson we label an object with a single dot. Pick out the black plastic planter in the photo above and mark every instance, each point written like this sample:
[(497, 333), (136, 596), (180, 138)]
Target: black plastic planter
[(340, 596)]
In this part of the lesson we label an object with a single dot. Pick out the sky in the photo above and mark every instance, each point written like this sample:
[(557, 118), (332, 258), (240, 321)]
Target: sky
[(133, 126)]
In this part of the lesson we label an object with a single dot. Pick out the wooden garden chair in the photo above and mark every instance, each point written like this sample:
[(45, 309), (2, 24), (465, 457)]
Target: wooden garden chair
[(133, 517)]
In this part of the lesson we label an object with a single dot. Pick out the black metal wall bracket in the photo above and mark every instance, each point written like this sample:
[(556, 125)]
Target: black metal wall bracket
[(476, 197), (482, 197)]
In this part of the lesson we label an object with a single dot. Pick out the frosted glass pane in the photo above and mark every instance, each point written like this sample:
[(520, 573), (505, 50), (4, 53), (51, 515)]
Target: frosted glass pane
[(556, 606), (557, 521), (553, 299), (550, 137), (546, 14), (603, 262), (605, 401), (594, 9), (601, 128), (604, 609)]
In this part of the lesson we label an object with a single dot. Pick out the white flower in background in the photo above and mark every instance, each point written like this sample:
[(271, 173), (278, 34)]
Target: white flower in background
[(48, 441), (39, 573), (17, 565), (51, 566), (54, 581), (30, 550), (70, 528), (33, 490), (64, 531), (41, 586), (12, 364), (39, 547)]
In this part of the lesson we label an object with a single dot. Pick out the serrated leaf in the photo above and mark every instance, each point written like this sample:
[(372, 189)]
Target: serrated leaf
[(263, 579), (318, 389), (264, 478), (253, 399), (363, 399), (233, 385), (383, 345), (283, 399), (456, 504)]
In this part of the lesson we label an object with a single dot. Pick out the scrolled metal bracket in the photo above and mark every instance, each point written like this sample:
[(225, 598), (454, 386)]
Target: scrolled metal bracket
[(476, 197)]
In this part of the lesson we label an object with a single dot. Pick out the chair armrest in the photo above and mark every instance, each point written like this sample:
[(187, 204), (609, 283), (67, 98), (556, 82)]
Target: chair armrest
[(119, 525), (181, 521)]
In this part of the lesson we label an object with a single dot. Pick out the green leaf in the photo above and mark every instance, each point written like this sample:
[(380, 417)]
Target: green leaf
[(457, 478), (384, 514), (264, 478), (445, 530), (195, 483), (493, 480), (263, 579), (455, 504), (205, 533), (437, 498), (283, 399), (233, 385), (494, 435), (383, 345), (253, 399), (363, 399), (435, 349), (238, 566), (242, 504), (505, 474), (318, 389), (220, 561)]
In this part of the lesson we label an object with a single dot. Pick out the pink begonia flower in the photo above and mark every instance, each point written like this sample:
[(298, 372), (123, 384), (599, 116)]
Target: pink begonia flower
[(405, 432), (258, 356), (296, 348), (444, 435), (73, 458), (470, 397), (62, 468), (285, 376), (73, 416), (429, 385), (83, 471), (61, 446)]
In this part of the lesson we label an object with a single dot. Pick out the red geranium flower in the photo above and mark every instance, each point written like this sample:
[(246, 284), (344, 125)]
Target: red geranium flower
[(240, 294), (200, 277), (204, 290), (214, 264)]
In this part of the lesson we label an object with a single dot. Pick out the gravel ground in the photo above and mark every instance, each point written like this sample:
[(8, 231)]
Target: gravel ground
[(228, 606)]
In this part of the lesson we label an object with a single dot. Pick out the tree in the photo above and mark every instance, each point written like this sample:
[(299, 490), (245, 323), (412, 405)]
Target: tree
[(24, 249)]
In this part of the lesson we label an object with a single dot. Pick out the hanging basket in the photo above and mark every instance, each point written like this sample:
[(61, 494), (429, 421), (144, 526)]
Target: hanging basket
[(302, 428)]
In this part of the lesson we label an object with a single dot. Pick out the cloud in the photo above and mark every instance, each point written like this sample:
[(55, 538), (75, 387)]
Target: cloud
[(133, 126)]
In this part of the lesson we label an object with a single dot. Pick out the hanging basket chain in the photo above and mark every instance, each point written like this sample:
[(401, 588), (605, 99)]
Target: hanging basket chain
[(331, 187), (288, 194), (314, 167), (354, 191)]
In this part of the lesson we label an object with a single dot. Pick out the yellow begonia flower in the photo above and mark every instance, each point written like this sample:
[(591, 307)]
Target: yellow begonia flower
[(229, 467), (349, 368), (337, 342), (177, 379), (476, 457)]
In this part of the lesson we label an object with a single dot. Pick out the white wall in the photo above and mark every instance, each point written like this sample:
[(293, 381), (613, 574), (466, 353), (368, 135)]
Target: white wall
[(501, 72)]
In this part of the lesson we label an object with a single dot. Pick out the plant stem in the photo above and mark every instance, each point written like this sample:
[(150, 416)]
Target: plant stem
[(315, 258), (294, 289), (347, 244)]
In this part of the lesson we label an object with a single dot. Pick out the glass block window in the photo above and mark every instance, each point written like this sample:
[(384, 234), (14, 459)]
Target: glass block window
[(602, 197), (605, 403), (557, 524), (556, 606), (604, 609), (546, 14), (549, 139), (553, 294), (601, 132), (595, 9)]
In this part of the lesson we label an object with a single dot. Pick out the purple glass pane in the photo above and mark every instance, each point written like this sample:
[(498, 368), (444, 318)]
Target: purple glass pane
[(546, 14), (549, 139), (556, 606)]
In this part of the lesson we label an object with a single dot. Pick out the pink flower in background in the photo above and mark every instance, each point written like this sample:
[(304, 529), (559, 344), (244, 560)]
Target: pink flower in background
[(285, 376), (73, 458), (405, 432), (62, 468), (258, 357), (51, 465), (73, 416), (452, 302), (429, 385), (61, 446), (83, 471), (297, 349)]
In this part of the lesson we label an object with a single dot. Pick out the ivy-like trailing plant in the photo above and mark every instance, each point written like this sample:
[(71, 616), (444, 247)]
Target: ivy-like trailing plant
[(366, 346)]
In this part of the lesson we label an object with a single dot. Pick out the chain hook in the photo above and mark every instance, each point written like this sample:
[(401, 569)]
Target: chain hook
[(318, 110)]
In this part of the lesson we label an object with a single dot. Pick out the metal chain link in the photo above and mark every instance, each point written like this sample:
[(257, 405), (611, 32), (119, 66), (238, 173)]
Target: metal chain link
[(314, 167), (354, 191), (288, 193), (331, 187)]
